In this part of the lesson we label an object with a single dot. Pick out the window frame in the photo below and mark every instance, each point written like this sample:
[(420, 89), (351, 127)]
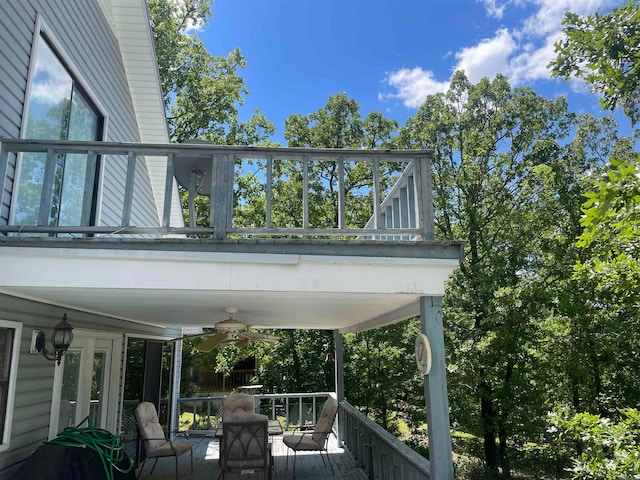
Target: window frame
[(13, 374), (79, 84)]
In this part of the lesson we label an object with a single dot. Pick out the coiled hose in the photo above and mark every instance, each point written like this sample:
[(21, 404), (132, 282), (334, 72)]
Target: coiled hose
[(108, 447)]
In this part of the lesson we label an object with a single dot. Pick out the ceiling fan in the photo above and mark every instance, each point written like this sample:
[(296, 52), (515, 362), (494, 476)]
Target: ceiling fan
[(228, 331)]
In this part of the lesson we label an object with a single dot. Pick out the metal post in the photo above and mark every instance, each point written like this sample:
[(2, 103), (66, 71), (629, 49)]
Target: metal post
[(435, 391), (339, 378)]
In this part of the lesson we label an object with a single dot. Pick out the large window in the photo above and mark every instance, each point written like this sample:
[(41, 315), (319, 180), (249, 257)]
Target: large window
[(58, 109), (10, 333)]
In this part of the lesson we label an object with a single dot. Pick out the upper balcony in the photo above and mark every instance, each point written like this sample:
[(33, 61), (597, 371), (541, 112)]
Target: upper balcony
[(243, 192), (344, 236)]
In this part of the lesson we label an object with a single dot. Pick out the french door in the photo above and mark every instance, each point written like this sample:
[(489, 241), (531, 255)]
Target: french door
[(85, 384)]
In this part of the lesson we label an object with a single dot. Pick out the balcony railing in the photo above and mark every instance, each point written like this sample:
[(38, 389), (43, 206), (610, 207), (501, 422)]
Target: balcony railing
[(359, 184), (212, 381)]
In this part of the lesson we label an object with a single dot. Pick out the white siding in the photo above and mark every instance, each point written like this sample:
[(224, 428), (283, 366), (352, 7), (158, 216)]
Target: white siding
[(84, 37), (34, 385)]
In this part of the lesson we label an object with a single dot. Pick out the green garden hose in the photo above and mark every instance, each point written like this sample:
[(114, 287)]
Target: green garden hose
[(107, 446)]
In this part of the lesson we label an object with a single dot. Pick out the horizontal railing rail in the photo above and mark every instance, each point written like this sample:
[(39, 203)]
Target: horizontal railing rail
[(293, 410), (213, 382), (402, 212), (378, 453)]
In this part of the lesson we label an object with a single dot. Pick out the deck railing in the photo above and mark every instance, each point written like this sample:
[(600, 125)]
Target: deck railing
[(402, 212), (378, 453), (202, 415)]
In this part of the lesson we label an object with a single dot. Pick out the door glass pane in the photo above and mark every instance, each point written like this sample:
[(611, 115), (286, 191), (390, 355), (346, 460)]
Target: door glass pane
[(69, 394), (98, 389)]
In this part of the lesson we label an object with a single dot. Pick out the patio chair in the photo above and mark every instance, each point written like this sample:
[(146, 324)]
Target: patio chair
[(246, 445), (315, 440), (156, 444), (238, 403)]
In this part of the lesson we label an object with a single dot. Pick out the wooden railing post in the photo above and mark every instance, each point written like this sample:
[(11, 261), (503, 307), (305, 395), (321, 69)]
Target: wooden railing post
[(422, 168), (221, 195)]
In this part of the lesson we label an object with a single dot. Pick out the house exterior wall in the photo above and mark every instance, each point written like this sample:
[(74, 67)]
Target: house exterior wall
[(34, 387), (83, 36)]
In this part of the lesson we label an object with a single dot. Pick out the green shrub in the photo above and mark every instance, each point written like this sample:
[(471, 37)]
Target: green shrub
[(608, 450)]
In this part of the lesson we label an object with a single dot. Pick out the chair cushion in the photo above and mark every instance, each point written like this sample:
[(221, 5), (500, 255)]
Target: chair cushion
[(325, 421), (149, 426), (167, 450), (237, 403), (301, 441)]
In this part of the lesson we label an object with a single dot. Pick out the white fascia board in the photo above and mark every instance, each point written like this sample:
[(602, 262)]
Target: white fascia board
[(244, 272)]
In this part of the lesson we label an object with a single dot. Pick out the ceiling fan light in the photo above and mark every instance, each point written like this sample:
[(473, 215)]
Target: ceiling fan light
[(230, 325)]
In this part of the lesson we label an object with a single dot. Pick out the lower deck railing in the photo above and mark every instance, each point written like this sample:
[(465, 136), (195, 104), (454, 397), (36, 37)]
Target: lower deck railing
[(376, 451)]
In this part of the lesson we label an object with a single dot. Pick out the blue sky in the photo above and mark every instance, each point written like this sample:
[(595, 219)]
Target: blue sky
[(389, 54)]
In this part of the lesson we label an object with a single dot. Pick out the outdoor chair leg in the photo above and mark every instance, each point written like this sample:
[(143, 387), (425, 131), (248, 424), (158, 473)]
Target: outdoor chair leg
[(192, 461), (328, 461), (176, 467), (141, 468), (154, 466), (295, 455)]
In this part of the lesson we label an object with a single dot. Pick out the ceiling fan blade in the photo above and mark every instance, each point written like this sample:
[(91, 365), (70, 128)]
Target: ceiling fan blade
[(242, 342), (211, 342), (260, 337), (193, 335)]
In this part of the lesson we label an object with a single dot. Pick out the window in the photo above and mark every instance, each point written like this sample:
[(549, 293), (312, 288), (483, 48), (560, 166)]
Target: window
[(57, 109), (10, 334)]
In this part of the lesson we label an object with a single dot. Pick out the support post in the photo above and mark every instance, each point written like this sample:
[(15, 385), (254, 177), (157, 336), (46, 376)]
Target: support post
[(435, 391), (339, 376)]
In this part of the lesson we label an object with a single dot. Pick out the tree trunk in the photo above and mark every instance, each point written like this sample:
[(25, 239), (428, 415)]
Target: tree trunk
[(504, 457), (488, 424)]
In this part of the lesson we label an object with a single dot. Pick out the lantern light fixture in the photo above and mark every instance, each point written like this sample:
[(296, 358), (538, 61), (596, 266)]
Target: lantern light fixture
[(60, 340)]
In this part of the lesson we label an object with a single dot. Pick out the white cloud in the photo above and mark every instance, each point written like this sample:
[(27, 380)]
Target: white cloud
[(191, 25), (522, 53), (548, 16), (413, 86), (487, 58), (493, 9)]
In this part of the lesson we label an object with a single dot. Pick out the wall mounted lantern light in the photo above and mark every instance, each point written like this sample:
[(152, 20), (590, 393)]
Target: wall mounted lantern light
[(60, 340)]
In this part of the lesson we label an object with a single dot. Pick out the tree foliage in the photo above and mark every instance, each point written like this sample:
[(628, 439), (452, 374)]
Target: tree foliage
[(201, 91), (604, 51), (496, 152)]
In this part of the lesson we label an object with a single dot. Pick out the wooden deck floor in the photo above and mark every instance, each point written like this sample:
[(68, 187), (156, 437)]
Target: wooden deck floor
[(309, 464)]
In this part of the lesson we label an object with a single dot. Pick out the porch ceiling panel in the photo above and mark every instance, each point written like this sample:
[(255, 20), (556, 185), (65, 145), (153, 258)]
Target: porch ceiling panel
[(190, 289)]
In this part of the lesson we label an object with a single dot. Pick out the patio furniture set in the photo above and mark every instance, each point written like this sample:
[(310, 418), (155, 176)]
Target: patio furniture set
[(244, 436)]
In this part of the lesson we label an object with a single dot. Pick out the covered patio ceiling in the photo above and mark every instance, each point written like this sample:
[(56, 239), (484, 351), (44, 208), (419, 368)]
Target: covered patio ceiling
[(273, 286)]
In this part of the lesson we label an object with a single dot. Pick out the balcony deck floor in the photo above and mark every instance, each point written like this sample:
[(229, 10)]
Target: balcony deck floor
[(309, 464)]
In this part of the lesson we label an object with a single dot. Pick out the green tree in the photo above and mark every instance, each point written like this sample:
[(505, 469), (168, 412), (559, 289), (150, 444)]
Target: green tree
[(604, 51), (493, 148), (201, 91), (381, 377)]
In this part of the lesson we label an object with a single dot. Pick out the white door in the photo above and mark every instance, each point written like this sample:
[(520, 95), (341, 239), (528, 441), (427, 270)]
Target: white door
[(85, 384)]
